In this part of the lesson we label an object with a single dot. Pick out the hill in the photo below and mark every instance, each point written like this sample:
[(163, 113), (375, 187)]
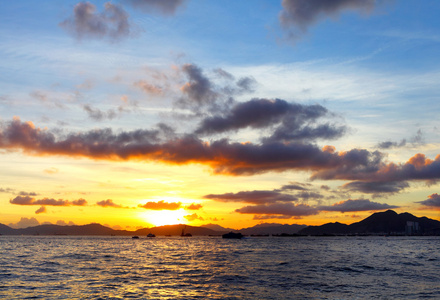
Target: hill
[(388, 222)]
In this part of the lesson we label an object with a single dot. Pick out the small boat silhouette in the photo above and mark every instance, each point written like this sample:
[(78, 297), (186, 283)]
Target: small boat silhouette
[(232, 235), (150, 235), (134, 237), (185, 234)]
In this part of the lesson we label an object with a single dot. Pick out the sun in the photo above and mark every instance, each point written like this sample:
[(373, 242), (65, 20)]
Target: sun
[(164, 217)]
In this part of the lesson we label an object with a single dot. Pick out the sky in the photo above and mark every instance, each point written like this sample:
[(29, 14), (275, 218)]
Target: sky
[(141, 113)]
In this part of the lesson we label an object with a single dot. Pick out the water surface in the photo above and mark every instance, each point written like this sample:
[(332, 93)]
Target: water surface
[(63, 267)]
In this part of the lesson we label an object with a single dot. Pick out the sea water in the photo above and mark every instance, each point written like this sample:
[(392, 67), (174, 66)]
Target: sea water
[(65, 267)]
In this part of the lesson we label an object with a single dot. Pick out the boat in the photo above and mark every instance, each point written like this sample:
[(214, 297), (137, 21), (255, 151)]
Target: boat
[(134, 237), (185, 234), (151, 235), (232, 235)]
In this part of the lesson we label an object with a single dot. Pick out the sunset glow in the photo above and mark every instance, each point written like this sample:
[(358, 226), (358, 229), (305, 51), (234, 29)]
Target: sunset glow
[(137, 114)]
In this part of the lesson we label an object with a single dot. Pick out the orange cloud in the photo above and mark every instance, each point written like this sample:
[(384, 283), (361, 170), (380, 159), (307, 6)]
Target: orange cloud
[(161, 205)]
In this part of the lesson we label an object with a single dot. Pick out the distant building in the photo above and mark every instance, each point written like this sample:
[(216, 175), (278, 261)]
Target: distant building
[(412, 228)]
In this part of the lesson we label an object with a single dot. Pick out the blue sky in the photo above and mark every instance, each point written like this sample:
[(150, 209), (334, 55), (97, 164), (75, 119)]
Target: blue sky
[(353, 75)]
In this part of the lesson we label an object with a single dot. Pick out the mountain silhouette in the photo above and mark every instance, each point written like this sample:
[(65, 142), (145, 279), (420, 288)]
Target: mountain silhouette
[(388, 222)]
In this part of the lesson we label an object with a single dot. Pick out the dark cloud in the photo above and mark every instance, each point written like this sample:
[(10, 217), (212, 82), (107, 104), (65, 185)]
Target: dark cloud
[(204, 94), (165, 7), (291, 121), (417, 139), (28, 200), (224, 157), (22, 193), (41, 210), (194, 206), (283, 209), (255, 197), (99, 115), (199, 90), (161, 205), (432, 201), (357, 205), (373, 187), (389, 144), (296, 186), (85, 22), (7, 190), (193, 217), (309, 195), (270, 217), (298, 15), (373, 169)]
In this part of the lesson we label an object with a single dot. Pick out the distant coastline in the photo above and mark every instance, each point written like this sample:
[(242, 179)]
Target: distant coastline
[(382, 223)]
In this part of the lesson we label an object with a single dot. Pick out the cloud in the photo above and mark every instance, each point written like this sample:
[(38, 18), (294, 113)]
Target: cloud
[(162, 144), (269, 217), (148, 87), (194, 206), (292, 121), (51, 171), (283, 209), (356, 205), (22, 193), (382, 177), (193, 217), (167, 7), (41, 210), (161, 205), (298, 15), (85, 22), (200, 93), (6, 190), (433, 201), (373, 187), (63, 223), (416, 139), (25, 222), (28, 200), (99, 115), (199, 90), (255, 197), (309, 195), (109, 203), (389, 144), (296, 186)]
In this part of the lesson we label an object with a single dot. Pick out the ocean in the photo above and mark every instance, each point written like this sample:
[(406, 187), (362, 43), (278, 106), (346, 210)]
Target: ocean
[(68, 267)]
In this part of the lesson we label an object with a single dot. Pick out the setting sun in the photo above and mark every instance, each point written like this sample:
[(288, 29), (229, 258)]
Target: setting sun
[(164, 217)]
